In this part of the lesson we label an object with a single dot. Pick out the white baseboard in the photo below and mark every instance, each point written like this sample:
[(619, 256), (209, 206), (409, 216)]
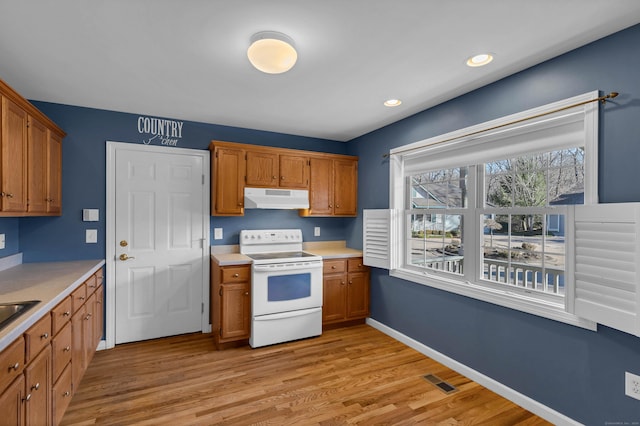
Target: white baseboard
[(516, 397)]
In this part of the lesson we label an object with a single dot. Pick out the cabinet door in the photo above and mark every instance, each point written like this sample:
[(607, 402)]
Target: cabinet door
[(61, 395), (14, 158), (320, 187), (262, 169), (235, 311), (38, 382), (228, 182), (333, 298), (345, 187), (294, 171), (77, 346), (37, 141), (358, 295), (12, 404), (89, 330), (98, 317), (54, 174)]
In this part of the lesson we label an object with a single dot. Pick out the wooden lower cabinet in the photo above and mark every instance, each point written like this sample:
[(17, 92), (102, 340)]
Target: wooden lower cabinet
[(46, 363), (345, 292), (12, 403), (230, 304)]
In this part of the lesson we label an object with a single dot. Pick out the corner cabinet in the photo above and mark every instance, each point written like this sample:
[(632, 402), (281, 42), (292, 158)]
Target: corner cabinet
[(332, 179), (31, 158), (345, 292), (230, 304)]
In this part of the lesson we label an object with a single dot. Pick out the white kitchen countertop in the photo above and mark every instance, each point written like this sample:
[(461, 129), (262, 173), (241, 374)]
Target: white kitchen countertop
[(230, 255), (49, 282)]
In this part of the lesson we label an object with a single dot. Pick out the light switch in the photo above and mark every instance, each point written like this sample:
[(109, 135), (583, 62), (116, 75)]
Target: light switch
[(217, 233), (316, 231), (92, 236), (90, 215)]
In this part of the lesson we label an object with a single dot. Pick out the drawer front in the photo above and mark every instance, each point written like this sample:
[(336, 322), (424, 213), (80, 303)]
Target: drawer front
[(61, 395), (11, 362), (61, 346), (79, 296), (333, 266), (37, 337), (356, 265), (92, 284), (236, 274), (60, 315)]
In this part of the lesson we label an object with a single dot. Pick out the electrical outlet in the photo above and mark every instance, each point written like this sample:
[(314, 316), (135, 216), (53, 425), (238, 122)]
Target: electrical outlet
[(316, 231), (632, 385), (91, 236)]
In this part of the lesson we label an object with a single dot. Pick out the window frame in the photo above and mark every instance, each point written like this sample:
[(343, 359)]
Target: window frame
[(454, 149)]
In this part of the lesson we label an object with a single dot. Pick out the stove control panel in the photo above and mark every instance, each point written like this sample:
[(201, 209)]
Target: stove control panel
[(270, 236)]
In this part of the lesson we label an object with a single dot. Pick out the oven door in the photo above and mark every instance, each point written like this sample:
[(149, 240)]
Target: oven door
[(285, 287)]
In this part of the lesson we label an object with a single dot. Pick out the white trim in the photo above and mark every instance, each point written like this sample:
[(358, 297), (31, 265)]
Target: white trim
[(512, 395), (110, 259)]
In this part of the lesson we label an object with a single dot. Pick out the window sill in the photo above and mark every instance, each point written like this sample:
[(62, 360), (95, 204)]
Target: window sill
[(503, 298)]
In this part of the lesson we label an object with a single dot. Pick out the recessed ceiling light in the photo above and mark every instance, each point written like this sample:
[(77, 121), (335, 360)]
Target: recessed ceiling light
[(392, 102), (480, 60), (272, 52)]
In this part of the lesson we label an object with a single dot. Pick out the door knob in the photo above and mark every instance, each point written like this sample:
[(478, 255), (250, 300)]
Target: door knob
[(124, 256)]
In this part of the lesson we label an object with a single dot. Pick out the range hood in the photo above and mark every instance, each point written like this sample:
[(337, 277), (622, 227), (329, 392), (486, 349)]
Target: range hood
[(270, 198)]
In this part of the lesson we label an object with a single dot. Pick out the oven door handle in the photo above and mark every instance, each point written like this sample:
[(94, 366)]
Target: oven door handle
[(283, 315), (287, 267)]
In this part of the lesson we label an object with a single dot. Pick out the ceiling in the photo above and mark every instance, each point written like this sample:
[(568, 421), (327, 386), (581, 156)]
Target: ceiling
[(187, 59)]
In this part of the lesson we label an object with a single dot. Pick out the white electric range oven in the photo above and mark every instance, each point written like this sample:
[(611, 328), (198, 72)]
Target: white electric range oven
[(286, 286)]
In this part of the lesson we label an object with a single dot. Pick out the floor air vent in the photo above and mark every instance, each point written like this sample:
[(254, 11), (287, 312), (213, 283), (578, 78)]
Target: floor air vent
[(440, 384)]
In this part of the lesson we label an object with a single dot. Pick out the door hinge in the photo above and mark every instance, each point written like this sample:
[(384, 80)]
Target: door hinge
[(202, 306), (203, 179)]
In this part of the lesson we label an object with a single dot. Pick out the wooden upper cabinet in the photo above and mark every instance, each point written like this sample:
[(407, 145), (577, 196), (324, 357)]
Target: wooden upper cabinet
[(228, 182), (30, 161), (13, 197), (294, 171), (320, 187), (267, 168), (330, 178), (262, 169), (333, 187), (37, 141), (54, 174), (345, 179)]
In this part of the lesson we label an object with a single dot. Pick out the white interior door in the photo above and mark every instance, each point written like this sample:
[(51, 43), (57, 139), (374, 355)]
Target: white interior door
[(159, 243)]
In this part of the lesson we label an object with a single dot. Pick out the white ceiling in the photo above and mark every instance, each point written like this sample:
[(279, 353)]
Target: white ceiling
[(187, 59)]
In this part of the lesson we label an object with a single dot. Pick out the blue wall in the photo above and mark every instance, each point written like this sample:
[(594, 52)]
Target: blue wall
[(574, 371), (84, 176)]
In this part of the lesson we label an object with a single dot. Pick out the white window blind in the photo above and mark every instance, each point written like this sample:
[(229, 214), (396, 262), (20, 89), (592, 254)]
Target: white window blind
[(379, 249), (607, 258)]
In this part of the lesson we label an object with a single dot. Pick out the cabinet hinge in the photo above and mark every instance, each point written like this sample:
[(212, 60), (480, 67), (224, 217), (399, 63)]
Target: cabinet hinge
[(220, 331), (220, 291), (216, 154)]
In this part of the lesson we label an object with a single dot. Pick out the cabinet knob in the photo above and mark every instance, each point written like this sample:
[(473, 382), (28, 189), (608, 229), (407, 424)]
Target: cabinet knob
[(239, 204), (330, 206), (236, 275), (45, 336), (67, 393), (246, 293), (66, 314), (282, 177), (333, 266), (35, 387), (341, 282), (15, 366), (350, 282), (66, 349), (274, 177), (8, 195), (27, 398), (337, 206)]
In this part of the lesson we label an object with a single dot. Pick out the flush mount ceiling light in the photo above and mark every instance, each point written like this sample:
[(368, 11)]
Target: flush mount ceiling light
[(272, 52), (392, 102), (479, 60)]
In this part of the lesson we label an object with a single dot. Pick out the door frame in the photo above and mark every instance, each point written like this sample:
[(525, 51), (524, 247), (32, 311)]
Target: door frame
[(110, 260)]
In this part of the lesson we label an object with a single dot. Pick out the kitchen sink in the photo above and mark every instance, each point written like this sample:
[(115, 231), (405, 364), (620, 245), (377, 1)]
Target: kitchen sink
[(11, 311)]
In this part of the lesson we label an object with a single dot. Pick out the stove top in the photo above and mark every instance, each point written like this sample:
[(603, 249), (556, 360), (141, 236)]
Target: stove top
[(280, 255)]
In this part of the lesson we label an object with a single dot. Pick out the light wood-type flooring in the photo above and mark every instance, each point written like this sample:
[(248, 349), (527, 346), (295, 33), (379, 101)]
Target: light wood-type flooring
[(354, 375)]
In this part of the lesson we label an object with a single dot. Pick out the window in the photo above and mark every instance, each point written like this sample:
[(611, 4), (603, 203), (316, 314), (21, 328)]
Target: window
[(485, 209)]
